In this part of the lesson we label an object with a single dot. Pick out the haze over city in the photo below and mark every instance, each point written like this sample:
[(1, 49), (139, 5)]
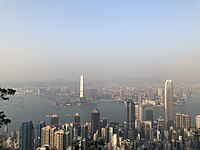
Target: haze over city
[(47, 40)]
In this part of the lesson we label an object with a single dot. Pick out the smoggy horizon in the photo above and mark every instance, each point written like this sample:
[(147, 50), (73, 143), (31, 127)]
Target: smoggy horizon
[(49, 40)]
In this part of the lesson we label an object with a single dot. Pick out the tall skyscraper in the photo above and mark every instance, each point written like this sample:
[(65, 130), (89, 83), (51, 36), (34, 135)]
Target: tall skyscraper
[(127, 114), (130, 114), (82, 95), (198, 121), (84, 131), (26, 136), (168, 103), (76, 120), (48, 135), (45, 138), (77, 124), (59, 140), (95, 121), (52, 131), (140, 111), (39, 127)]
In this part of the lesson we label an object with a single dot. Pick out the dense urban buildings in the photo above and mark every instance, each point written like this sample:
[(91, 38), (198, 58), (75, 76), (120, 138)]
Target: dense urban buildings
[(100, 74), (140, 129)]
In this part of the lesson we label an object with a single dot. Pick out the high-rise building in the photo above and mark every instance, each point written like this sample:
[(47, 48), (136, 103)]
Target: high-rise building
[(54, 120), (103, 122), (110, 130), (76, 120), (59, 140), (130, 114), (45, 135), (149, 114), (95, 121), (26, 136), (104, 133), (160, 123), (160, 95), (84, 131), (39, 127), (82, 93), (48, 135), (140, 112), (186, 121), (51, 142), (127, 114), (178, 120), (77, 124), (114, 141), (67, 139), (147, 125), (183, 120), (168, 103), (198, 121)]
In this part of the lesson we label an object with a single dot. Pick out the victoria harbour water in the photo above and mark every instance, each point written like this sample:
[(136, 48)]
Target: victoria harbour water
[(35, 108)]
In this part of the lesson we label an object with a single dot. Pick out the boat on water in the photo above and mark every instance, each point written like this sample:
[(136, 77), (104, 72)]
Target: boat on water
[(177, 103)]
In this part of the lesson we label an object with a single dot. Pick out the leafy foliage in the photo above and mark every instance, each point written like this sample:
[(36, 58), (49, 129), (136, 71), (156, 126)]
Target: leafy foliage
[(97, 145), (3, 119), (3, 94)]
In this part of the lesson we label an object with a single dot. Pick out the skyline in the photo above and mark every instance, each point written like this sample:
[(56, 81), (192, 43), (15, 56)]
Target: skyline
[(102, 40)]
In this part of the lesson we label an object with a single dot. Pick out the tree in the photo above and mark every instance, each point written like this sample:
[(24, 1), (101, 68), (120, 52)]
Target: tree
[(4, 95), (76, 145), (97, 145)]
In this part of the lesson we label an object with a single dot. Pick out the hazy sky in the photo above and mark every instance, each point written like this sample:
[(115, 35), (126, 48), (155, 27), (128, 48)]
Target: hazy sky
[(48, 39)]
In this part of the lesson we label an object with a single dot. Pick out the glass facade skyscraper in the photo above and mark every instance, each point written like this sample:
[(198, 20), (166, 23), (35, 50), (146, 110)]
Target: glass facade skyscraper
[(95, 121), (131, 114), (39, 127), (26, 136)]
